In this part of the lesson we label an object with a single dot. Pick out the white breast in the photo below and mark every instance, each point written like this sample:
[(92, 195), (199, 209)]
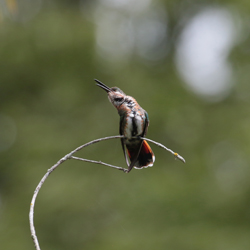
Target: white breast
[(138, 122)]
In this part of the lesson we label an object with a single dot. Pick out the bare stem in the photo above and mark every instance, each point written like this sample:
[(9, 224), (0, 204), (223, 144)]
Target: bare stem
[(70, 156), (176, 155), (99, 162)]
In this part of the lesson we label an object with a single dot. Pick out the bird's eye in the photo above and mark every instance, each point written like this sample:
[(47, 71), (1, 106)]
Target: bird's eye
[(118, 99)]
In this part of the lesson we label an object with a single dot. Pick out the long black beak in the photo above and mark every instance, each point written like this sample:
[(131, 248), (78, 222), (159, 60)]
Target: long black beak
[(103, 86)]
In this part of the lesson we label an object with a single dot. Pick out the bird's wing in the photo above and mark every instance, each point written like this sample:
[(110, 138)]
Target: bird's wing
[(122, 125), (146, 124)]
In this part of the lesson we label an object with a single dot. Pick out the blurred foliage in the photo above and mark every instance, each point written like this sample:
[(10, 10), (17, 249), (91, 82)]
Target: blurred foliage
[(50, 105)]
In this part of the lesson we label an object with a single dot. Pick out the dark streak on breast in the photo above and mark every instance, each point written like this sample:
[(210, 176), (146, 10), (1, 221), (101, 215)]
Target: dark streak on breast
[(134, 131)]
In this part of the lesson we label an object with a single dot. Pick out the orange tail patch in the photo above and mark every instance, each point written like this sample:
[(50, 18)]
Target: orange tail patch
[(145, 158)]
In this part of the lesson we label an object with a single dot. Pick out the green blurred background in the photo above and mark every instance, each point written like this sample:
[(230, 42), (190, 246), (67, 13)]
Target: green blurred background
[(186, 62)]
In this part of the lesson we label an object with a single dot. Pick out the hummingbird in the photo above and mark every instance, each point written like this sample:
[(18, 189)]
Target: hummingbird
[(134, 124)]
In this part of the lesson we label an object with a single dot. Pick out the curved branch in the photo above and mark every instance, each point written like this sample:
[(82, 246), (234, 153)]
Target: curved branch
[(66, 157), (70, 156)]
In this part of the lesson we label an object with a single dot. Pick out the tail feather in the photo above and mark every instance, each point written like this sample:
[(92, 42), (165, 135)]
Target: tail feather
[(145, 158)]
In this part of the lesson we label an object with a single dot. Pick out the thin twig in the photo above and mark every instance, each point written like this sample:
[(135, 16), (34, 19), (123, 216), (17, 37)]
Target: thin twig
[(176, 155), (70, 156), (99, 162), (94, 141)]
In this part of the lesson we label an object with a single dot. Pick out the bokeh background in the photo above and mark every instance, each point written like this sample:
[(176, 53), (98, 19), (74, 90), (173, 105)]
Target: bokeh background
[(186, 62)]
